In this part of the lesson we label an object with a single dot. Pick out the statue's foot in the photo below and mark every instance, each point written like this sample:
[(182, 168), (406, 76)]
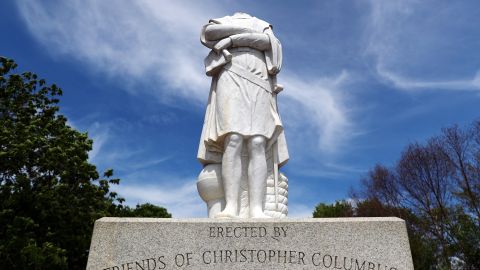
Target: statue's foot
[(259, 214), (226, 214)]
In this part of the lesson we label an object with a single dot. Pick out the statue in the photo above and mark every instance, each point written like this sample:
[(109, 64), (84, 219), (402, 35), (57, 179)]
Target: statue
[(242, 145)]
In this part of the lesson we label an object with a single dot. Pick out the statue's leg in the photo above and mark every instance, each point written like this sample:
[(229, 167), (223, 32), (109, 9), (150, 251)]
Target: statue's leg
[(231, 174), (257, 175)]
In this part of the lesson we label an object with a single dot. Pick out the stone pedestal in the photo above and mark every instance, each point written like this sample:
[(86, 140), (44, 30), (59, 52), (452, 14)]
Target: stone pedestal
[(337, 243)]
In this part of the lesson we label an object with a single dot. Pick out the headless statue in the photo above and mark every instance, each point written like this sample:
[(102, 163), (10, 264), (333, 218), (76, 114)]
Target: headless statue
[(242, 123)]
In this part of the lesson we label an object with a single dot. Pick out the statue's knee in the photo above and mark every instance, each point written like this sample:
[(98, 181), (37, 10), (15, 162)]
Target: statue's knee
[(233, 140), (257, 144)]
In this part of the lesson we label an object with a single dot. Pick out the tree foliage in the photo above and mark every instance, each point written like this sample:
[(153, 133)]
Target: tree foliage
[(50, 195), (338, 209), (144, 210)]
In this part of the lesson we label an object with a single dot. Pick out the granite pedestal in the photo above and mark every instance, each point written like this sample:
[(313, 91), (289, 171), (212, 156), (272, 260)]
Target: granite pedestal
[(331, 243)]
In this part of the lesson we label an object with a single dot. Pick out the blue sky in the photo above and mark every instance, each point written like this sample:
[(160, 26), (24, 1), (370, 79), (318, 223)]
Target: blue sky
[(362, 79)]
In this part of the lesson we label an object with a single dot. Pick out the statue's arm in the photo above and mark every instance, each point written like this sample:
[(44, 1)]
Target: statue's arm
[(273, 55), (221, 31), (253, 40)]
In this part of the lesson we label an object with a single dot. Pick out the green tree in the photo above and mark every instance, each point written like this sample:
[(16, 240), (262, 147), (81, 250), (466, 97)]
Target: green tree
[(144, 210), (50, 195), (338, 209)]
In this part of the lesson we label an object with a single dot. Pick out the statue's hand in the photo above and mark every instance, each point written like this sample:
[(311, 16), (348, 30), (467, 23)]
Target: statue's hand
[(222, 44), (277, 88)]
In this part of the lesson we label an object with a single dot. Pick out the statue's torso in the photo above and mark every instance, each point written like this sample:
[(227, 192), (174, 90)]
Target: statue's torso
[(248, 58)]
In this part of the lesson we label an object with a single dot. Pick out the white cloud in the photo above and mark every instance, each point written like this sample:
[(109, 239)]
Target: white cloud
[(99, 134), (132, 40), (149, 163), (300, 211), (407, 83), (180, 200), (413, 47), (317, 104)]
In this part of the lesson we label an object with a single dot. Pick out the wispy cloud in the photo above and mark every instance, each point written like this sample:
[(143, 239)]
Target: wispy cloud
[(149, 163), (180, 200), (330, 170), (407, 83), (99, 134), (300, 211), (413, 46), (133, 40), (317, 105)]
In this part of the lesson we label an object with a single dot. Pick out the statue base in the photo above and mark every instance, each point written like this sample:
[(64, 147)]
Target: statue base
[(328, 243)]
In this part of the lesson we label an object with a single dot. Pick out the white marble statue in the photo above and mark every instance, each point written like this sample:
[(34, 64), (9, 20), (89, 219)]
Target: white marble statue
[(242, 145)]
